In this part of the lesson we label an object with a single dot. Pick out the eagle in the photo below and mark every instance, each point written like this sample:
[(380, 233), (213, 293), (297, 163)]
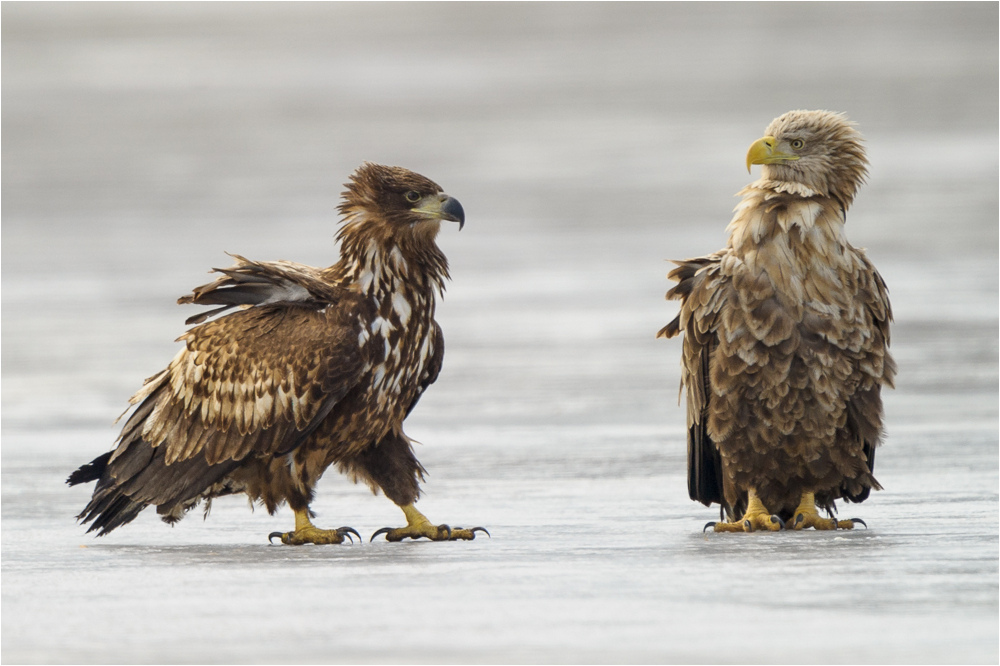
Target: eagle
[(785, 339), (303, 368)]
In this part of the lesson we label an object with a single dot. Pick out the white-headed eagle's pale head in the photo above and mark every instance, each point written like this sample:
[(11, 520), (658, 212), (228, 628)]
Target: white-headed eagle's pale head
[(818, 149)]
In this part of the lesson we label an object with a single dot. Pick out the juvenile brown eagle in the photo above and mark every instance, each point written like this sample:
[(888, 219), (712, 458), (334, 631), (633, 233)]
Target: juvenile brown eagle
[(315, 367), (786, 335)]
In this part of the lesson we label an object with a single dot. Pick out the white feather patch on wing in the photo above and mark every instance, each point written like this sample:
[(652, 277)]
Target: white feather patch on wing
[(287, 292)]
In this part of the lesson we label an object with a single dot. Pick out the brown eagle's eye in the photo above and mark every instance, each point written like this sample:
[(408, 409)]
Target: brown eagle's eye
[(797, 143), (412, 197)]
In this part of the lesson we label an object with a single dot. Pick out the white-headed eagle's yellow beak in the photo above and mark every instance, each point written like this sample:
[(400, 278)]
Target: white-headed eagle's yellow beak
[(442, 207), (765, 151)]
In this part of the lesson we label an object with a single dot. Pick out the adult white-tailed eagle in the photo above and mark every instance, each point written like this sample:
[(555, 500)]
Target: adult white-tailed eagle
[(315, 367), (786, 335)]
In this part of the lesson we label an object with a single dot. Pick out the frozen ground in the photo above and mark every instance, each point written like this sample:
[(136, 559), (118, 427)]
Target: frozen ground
[(588, 144)]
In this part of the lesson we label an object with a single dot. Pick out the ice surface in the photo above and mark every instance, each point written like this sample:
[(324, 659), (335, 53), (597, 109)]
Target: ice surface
[(588, 145)]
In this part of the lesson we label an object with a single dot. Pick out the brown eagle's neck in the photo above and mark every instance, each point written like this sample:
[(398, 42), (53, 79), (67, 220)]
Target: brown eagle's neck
[(378, 262)]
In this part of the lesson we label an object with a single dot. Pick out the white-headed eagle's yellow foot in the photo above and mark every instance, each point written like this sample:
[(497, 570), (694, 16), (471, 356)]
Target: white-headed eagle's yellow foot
[(306, 532), (807, 516), (417, 526), (755, 518)]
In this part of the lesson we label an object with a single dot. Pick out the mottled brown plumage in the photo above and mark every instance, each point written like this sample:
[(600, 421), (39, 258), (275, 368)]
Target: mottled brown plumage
[(316, 367), (786, 335)]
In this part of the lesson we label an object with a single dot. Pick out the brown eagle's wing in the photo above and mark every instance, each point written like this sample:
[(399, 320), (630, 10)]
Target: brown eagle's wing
[(260, 283), (864, 409), (701, 289), (257, 381)]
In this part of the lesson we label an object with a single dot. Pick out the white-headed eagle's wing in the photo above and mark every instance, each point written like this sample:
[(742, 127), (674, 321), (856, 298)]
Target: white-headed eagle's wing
[(702, 290)]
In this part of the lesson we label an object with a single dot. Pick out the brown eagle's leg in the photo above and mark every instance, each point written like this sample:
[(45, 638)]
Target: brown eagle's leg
[(756, 518), (417, 525), (306, 532), (391, 466), (807, 516)]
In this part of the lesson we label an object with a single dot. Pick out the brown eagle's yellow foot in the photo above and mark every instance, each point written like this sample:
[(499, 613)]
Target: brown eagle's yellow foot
[(807, 516), (315, 535), (306, 532), (755, 518), (418, 526), (432, 532)]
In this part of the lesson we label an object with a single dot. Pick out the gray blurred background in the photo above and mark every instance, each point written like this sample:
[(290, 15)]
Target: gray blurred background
[(589, 143)]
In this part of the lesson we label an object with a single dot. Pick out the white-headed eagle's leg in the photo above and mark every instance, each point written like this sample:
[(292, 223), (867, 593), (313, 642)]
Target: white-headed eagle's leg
[(306, 532), (807, 516), (756, 517)]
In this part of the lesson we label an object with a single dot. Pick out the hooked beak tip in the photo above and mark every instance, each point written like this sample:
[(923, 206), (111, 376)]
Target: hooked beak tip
[(454, 211)]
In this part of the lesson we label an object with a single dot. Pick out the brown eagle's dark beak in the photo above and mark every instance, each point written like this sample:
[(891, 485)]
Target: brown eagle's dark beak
[(452, 210), (441, 207)]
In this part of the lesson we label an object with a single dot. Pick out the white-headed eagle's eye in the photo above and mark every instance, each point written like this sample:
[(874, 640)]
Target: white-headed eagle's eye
[(797, 144), (412, 197)]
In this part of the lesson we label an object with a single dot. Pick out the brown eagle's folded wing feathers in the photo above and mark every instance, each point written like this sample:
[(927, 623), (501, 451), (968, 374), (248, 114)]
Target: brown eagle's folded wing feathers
[(258, 380)]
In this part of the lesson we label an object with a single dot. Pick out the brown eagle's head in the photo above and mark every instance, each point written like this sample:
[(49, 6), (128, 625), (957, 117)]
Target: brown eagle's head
[(818, 149), (398, 200)]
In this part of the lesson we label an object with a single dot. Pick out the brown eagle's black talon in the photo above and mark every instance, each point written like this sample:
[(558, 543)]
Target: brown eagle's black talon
[(348, 531), (384, 530), (776, 519), (270, 537), (707, 525), (480, 529), (858, 520)]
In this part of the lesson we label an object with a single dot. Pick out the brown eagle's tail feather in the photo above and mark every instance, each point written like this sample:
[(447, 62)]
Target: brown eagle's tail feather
[(140, 476), (107, 508), (92, 471), (110, 511)]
